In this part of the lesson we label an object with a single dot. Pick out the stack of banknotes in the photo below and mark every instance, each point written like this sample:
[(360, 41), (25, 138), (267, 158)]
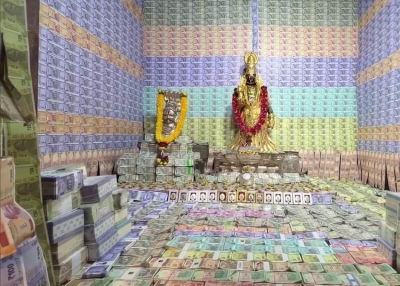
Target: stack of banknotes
[(388, 241), (192, 243), (87, 216), (143, 167), (99, 196), (21, 256), (65, 221)]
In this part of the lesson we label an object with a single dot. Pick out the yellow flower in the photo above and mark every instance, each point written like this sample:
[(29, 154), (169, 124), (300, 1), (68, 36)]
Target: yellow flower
[(159, 121)]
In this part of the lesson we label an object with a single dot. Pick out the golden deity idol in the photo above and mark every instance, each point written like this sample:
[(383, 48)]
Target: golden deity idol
[(252, 111)]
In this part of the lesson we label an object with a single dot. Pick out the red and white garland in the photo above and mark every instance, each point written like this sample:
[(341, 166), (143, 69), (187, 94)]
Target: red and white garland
[(261, 119)]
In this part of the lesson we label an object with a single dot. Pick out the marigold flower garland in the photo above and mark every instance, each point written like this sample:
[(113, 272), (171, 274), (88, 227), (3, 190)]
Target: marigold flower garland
[(261, 119), (164, 142)]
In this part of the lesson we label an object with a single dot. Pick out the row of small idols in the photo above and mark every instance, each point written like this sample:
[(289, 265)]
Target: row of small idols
[(244, 196)]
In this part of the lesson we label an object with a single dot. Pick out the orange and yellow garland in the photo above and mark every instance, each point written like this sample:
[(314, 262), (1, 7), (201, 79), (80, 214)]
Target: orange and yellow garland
[(163, 142)]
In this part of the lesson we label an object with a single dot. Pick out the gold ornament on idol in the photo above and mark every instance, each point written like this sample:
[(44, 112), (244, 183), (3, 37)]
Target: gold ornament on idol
[(249, 96), (164, 141)]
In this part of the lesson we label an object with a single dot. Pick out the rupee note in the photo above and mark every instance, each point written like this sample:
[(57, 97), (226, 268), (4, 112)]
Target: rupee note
[(321, 279), (12, 271), (32, 257), (19, 222), (283, 277)]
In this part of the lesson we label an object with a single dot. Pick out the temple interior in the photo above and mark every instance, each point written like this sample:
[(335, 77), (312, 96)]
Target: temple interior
[(199, 142)]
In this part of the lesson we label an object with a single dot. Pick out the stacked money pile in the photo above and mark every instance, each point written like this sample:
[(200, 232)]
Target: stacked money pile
[(215, 243), (139, 200), (122, 224), (146, 161), (60, 191), (126, 167), (99, 218), (21, 257), (387, 241), (183, 162)]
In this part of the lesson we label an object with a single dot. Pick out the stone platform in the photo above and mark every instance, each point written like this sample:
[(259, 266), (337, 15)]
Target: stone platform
[(279, 162)]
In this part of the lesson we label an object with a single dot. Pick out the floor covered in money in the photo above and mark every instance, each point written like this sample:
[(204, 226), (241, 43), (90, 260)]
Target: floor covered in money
[(344, 243)]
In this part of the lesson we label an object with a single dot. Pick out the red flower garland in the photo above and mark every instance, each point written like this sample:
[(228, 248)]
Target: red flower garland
[(261, 119)]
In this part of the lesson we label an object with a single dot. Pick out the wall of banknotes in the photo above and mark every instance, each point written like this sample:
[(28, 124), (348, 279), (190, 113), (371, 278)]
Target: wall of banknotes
[(378, 94), (25, 257), (378, 78), (308, 58), (90, 82)]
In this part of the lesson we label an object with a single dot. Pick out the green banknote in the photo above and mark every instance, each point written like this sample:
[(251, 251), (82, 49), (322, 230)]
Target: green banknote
[(146, 273), (363, 279), (258, 276), (13, 15), (223, 274), (8, 109), (306, 267), (381, 279), (321, 278), (182, 275), (125, 261), (383, 269), (283, 277), (25, 103), (16, 45), (294, 258), (339, 268), (22, 143)]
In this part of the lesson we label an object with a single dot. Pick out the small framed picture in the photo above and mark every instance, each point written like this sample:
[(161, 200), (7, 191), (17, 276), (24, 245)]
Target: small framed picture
[(288, 198), (212, 196), (251, 197), (268, 198), (297, 199), (183, 196), (307, 199), (232, 197), (241, 196), (173, 196), (260, 197), (203, 196), (278, 198), (223, 196), (193, 196)]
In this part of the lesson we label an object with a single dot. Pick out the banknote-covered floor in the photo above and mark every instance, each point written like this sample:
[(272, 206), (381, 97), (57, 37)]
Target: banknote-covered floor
[(192, 243)]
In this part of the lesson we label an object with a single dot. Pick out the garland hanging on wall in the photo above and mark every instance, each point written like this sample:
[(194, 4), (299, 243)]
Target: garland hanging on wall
[(163, 142)]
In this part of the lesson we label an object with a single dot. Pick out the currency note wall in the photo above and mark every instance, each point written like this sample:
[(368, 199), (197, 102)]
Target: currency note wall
[(90, 80), (378, 78), (308, 59)]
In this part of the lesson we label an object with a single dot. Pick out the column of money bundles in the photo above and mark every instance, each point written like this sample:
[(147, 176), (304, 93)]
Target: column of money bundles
[(181, 166), (122, 224), (65, 221), (100, 232), (388, 241), (21, 257)]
